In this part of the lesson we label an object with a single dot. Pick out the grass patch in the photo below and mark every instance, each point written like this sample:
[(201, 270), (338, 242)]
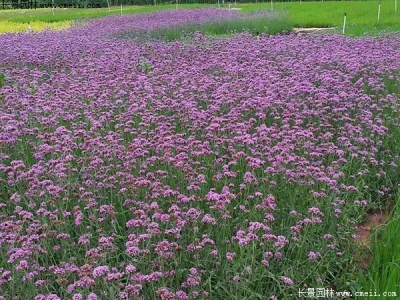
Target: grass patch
[(42, 18), (2, 77), (253, 24), (9, 26), (45, 14), (361, 16), (383, 276)]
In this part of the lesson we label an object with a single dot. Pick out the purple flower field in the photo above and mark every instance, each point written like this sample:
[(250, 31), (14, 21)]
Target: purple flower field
[(161, 19), (216, 169)]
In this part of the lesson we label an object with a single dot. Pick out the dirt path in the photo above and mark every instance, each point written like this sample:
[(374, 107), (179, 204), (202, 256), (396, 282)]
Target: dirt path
[(311, 29)]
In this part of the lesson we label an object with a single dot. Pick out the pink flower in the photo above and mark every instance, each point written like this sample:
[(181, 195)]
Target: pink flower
[(181, 295), (268, 254), (208, 219), (287, 280), (53, 297), (130, 268), (165, 294), (312, 255), (315, 211), (249, 178), (91, 296), (100, 271), (230, 255), (236, 278)]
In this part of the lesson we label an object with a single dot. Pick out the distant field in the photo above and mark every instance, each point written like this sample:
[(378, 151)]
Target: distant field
[(61, 14), (17, 20), (361, 16)]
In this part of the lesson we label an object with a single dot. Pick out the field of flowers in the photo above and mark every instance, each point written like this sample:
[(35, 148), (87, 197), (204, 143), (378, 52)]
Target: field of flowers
[(211, 169)]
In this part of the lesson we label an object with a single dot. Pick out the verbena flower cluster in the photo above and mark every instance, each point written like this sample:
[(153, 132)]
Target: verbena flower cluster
[(218, 167), (162, 19)]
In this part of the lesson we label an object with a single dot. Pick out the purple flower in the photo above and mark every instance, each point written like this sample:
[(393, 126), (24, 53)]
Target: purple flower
[(230, 255), (91, 296), (287, 280), (181, 295), (100, 271), (135, 154), (313, 255)]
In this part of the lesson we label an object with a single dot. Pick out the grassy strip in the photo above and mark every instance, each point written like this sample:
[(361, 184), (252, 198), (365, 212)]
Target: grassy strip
[(17, 20), (45, 14), (254, 25), (7, 26), (361, 16), (330, 13), (384, 273)]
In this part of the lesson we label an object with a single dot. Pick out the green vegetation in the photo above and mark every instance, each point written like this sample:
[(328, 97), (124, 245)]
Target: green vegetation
[(45, 14), (17, 20), (8, 26), (384, 273), (361, 16), (255, 25)]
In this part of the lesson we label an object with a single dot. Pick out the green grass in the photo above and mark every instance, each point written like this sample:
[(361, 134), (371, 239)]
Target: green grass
[(384, 273), (45, 14), (361, 15), (254, 25), (2, 76), (17, 20), (8, 26), (330, 13)]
